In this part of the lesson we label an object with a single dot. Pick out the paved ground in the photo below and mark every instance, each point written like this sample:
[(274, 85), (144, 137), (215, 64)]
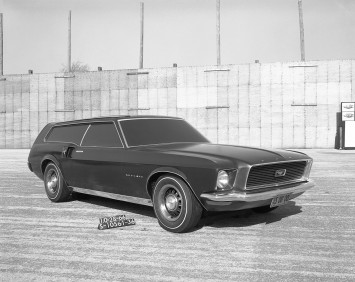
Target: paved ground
[(309, 239)]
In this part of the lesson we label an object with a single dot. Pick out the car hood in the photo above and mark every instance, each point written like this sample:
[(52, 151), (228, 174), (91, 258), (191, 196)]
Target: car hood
[(230, 153)]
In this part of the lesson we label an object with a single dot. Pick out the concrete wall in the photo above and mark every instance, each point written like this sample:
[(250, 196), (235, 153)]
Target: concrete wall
[(288, 105)]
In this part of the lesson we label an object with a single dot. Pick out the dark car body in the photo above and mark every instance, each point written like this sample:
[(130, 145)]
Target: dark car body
[(128, 167)]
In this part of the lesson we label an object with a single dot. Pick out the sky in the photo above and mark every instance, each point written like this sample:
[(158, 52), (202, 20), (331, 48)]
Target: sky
[(106, 32)]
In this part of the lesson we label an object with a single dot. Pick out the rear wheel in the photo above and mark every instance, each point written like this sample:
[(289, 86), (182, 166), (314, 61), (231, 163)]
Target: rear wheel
[(264, 209), (56, 189), (175, 206)]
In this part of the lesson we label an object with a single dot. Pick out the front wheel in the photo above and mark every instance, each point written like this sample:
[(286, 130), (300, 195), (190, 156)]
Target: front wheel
[(56, 189), (175, 206)]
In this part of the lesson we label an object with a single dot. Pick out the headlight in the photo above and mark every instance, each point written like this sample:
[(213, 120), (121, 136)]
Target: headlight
[(222, 179)]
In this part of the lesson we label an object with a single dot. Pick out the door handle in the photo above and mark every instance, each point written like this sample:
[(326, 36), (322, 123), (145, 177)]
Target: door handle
[(66, 151)]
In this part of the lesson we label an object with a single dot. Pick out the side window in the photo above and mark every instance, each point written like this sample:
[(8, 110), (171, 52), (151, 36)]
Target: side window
[(67, 133), (102, 135)]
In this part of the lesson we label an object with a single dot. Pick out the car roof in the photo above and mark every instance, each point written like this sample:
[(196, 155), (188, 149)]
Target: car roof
[(111, 118)]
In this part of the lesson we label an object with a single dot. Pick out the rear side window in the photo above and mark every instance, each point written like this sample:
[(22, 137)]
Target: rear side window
[(102, 135), (67, 133)]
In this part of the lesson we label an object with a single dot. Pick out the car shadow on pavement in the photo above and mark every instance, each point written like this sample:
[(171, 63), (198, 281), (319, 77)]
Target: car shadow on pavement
[(245, 218), (115, 204)]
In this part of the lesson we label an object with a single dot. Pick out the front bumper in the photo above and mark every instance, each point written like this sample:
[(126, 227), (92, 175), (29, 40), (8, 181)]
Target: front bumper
[(237, 200)]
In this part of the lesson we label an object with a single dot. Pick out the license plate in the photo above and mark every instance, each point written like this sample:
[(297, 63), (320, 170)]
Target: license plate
[(112, 218), (280, 200), (115, 224)]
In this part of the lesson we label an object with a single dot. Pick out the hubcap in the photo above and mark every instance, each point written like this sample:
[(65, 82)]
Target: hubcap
[(52, 181), (170, 202)]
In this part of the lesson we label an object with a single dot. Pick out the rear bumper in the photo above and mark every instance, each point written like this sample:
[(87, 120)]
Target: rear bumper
[(237, 200)]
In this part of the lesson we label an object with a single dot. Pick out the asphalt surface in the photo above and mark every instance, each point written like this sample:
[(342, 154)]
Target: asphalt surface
[(312, 238)]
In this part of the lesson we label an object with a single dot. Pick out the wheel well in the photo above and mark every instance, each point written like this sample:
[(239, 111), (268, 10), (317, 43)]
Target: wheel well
[(44, 165), (153, 179), (151, 182)]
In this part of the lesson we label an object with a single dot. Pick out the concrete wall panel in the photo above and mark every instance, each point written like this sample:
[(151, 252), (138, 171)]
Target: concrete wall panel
[(95, 81), (114, 80), (2, 130), (105, 103), (123, 100), (82, 82), (2, 97), (78, 100), (114, 101), (42, 119), (143, 99), (17, 129), (172, 101), (223, 130), (95, 96), (34, 128), (171, 78), (9, 131), (212, 125), (9, 100), (105, 83)]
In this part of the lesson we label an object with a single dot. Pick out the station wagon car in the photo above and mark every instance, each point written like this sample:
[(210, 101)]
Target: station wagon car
[(166, 163)]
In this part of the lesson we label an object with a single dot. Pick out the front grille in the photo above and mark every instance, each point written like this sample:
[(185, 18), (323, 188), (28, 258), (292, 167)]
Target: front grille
[(265, 174)]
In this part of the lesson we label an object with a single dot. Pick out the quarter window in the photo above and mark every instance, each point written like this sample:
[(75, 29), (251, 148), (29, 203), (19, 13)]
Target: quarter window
[(102, 135), (67, 133)]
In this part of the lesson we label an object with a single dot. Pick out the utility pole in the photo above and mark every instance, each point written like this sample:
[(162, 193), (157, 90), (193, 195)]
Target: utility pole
[(69, 42), (141, 35), (300, 13), (218, 31), (1, 46)]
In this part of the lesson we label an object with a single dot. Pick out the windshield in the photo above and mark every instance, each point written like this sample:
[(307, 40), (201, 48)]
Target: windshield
[(151, 131)]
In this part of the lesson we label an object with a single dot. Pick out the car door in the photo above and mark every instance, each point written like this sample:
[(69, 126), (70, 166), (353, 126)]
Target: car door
[(95, 164)]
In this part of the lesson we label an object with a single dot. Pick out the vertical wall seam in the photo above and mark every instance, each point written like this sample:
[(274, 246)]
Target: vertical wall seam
[(282, 107), (304, 111)]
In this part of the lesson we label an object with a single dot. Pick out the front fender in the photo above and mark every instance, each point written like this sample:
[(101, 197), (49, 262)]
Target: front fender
[(154, 175)]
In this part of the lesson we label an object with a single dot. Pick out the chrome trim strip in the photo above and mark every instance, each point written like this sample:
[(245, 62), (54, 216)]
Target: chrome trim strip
[(167, 144), (290, 161), (79, 151), (136, 200), (124, 137), (84, 134), (134, 118), (64, 142), (118, 133), (235, 196)]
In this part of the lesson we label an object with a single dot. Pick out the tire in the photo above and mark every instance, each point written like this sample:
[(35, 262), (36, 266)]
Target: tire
[(264, 209), (175, 206), (56, 189)]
